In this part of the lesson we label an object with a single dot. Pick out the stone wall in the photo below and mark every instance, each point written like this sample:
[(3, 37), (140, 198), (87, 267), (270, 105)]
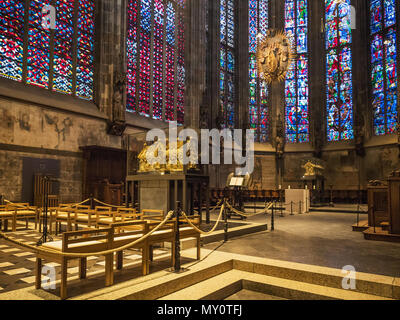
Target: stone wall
[(11, 163), (28, 130)]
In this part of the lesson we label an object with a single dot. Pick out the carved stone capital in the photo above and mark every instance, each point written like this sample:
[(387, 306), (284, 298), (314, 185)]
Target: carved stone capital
[(116, 128)]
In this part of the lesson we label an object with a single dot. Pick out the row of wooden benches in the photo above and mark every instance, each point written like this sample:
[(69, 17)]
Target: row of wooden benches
[(72, 216), (114, 236), (104, 228), (98, 217)]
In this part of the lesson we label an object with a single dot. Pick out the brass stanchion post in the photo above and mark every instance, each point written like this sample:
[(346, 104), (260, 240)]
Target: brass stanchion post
[(373, 217), (273, 217), (177, 266), (225, 222)]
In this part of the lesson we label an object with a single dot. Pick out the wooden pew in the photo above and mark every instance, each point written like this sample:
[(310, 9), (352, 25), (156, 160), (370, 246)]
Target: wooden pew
[(14, 212), (86, 217), (64, 215), (114, 237), (148, 214), (121, 215), (76, 242)]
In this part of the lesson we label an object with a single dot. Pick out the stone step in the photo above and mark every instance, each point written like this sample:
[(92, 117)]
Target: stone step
[(226, 274), (371, 284), (225, 285), (379, 234)]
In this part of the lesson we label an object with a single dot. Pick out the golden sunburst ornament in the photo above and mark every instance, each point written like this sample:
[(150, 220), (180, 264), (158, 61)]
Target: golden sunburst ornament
[(275, 55)]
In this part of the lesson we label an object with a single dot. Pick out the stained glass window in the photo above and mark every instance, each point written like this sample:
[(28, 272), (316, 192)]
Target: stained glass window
[(12, 14), (60, 60), (296, 84), (155, 58), (384, 65), (84, 76), (339, 78), (258, 95), (227, 90)]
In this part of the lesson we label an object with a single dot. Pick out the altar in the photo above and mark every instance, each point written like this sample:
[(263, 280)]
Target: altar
[(162, 191), (297, 201), (158, 177)]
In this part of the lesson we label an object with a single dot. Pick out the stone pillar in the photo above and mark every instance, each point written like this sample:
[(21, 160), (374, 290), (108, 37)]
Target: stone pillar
[(195, 60), (243, 65), (317, 75), (277, 98), (213, 53), (111, 59), (363, 118)]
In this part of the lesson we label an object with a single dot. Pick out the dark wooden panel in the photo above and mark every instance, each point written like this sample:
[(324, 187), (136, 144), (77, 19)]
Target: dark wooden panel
[(34, 166), (394, 192), (104, 173)]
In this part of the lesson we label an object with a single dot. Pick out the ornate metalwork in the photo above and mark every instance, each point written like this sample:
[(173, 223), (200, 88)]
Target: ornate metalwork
[(275, 55)]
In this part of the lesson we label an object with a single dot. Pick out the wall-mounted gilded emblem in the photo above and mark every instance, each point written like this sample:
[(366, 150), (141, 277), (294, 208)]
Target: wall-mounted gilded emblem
[(274, 56)]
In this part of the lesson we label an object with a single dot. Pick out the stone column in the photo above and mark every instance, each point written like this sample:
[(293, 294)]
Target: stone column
[(111, 61), (195, 60), (317, 80), (243, 65)]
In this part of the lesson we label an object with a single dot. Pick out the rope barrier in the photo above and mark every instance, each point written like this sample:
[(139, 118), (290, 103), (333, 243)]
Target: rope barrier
[(86, 255), (201, 231), (107, 205), (18, 205), (240, 213), (76, 204)]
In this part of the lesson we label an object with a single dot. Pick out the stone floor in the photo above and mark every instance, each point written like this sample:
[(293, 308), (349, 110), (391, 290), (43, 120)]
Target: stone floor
[(318, 238), (17, 264)]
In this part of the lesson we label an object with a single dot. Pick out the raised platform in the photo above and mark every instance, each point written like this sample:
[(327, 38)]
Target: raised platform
[(361, 226), (338, 208), (220, 275), (380, 235)]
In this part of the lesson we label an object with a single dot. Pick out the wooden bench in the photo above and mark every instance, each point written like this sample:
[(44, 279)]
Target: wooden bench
[(153, 214), (74, 206), (121, 215), (64, 215), (79, 215), (14, 212), (76, 242), (114, 237), (95, 240)]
